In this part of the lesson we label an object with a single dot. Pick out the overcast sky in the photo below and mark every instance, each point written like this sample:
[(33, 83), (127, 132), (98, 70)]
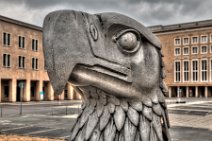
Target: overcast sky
[(148, 12)]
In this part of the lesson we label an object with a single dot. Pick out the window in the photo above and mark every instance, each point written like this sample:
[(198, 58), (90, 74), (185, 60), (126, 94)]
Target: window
[(194, 50), (177, 71), (6, 60), (211, 38), (211, 49), (185, 41), (195, 40), (204, 70), (6, 39), (186, 71), (211, 69), (195, 70), (34, 45), (34, 63), (21, 41), (21, 62), (204, 49), (177, 51), (204, 39), (177, 41), (185, 51)]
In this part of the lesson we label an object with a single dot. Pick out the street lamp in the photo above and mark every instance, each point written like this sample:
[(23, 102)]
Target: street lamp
[(21, 86)]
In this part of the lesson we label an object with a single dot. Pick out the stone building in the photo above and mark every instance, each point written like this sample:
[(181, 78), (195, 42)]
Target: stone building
[(187, 49), (22, 72)]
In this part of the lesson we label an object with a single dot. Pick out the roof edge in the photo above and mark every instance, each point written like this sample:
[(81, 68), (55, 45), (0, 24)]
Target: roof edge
[(20, 23)]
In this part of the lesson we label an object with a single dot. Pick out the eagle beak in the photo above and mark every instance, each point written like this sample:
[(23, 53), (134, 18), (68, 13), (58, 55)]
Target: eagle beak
[(65, 45)]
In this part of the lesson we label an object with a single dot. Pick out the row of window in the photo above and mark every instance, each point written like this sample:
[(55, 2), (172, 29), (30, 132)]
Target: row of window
[(194, 70), (192, 40), (194, 50), (21, 41), (21, 61)]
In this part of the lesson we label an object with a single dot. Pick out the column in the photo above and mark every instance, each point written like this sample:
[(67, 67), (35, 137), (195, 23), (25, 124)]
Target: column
[(61, 96), (196, 91), (70, 91), (27, 90), (187, 92), (0, 90), (206, 92), (12, 91), (50, 95), (39, 88), (170, 92)]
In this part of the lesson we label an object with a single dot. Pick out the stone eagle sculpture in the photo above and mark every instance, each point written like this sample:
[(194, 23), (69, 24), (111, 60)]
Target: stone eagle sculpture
[(115, 63)]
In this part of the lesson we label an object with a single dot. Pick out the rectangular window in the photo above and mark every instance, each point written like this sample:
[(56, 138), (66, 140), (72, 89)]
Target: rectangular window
[(6, 39), (211, 69), (204, 39), (177, 41), (211, 49), (186, 70), (185, 41), (194, 50), (6, 60), (34, 45), (211, 38), (34, 63), (185, 51), (195, 40), (21, 62), (204, 68), (21, 41), (195, 70), (204, 49), (177, 51), (177, 71)]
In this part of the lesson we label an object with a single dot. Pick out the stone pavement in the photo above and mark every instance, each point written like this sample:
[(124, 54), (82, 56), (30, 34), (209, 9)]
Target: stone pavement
[(190, 121)]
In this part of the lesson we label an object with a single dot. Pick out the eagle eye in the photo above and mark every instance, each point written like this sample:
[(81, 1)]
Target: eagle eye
[(128, 40)]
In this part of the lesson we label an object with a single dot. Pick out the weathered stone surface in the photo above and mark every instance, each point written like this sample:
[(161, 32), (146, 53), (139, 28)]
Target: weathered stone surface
[(117, 62)]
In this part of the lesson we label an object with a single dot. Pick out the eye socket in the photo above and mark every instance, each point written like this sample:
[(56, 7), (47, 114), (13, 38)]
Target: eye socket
[(128, 40)]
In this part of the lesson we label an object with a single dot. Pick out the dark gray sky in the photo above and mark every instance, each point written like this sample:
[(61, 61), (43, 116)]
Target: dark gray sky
[(148, 12)]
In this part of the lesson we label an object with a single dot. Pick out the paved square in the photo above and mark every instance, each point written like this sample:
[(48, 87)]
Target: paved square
[(190, 121)]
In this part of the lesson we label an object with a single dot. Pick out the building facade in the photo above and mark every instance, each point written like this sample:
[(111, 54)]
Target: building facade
[(187, 50), (23, 76)]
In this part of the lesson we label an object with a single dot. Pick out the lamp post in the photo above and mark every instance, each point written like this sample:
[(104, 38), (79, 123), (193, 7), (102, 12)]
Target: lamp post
[(21, 86)]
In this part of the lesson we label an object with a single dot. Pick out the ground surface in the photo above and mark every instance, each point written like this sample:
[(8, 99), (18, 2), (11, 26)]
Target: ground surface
[(190, 121), (24, 138)]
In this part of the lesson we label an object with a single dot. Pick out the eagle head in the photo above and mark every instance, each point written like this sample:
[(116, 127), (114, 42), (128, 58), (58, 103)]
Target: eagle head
[(107, 52)]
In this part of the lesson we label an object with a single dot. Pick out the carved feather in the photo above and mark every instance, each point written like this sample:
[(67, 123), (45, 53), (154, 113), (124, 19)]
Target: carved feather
[(147, 102), (99, 108), (156, 123), (114, 100), (111, 108), (157, 109), (74, 131), (110, 131), (129, 131), (147, 112), (119, 117), (137, 105), (153, 136), (95, 135), (124, 105), (133, 116), (137, 137), (144, 128), (92, 122), (104, 119), (85, 115)]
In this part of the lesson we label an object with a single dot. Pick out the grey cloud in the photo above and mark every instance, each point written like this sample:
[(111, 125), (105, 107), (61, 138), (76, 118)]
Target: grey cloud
[(149, 12)]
